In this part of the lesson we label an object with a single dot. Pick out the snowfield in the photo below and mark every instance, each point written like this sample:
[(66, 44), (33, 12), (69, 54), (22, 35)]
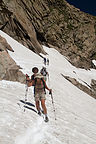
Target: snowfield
[(75, 111)]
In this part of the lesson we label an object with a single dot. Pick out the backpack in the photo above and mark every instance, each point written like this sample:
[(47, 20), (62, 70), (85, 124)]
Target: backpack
[(43, 72), (43, 85), (35, 80)]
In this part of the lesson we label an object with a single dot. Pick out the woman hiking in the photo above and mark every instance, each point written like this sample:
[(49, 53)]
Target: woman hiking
[(37, 80)]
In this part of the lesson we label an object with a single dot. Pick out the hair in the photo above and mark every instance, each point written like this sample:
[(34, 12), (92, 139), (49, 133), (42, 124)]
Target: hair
[(35, 68)]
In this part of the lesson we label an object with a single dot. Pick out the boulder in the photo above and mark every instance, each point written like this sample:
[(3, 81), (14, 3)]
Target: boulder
[(4, 45), (8, 68), (90, 90)]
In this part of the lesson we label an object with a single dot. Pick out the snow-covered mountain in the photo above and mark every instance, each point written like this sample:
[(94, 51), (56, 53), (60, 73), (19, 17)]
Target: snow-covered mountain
[(75, 111)]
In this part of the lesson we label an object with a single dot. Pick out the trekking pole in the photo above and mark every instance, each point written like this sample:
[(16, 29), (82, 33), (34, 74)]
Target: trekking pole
[(48, 80), (53, 105), (48, 77), (26, 86)]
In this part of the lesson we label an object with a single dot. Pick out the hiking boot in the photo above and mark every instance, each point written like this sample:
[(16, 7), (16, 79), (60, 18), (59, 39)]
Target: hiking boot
[(46, 119), (39, 113)]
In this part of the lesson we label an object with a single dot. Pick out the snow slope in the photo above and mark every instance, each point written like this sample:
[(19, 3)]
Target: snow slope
[(75, 110)]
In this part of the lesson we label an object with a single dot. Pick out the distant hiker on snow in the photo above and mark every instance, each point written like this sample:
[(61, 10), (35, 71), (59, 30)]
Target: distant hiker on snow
[(44, 73), (44, 60), (47, 61), (37, 80)]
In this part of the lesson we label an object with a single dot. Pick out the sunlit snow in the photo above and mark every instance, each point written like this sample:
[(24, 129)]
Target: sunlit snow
[(75, 110)]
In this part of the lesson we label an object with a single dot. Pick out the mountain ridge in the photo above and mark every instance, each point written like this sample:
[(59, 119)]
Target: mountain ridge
[(51, 22)]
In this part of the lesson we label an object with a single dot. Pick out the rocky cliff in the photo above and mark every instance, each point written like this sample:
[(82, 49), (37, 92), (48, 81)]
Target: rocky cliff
[(14, 20), (8, 68), (53, 23)]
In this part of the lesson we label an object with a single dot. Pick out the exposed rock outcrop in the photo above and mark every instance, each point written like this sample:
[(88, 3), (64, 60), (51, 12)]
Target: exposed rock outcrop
[(4, 46), (8, 68), (54, 22), (90, 90), (14, 20), (93, 85)]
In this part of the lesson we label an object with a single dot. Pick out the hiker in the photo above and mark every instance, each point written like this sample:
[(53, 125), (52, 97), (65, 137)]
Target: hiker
[(44, 60), (47, 61), (39, 94), (44, 73)]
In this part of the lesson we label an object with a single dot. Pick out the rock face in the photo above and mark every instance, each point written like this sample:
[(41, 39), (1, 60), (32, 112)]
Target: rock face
[(56, 23), (93, 85), (8, 68), (15, 21), (90, 90), (4, 45)]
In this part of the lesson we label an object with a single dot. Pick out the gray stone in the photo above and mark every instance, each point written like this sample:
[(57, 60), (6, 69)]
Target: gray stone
[(87, 89), (8, 68)]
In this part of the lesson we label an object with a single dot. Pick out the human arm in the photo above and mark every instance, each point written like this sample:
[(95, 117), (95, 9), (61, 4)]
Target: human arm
[(28, 81), (50, 90)]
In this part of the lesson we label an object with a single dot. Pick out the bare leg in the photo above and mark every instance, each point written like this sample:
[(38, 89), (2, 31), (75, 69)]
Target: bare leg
[(43, 106), (37, 105)]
